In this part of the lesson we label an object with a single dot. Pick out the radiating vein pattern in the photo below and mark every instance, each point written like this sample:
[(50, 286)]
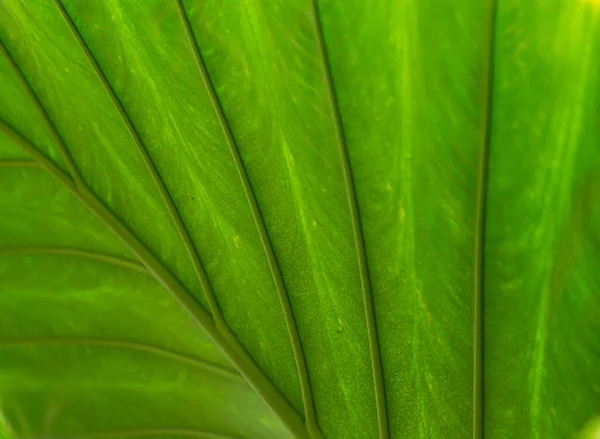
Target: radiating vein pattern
[(307, 398), (164, 193), (88, 198), (235, 354), (292, 219), (409, 97)]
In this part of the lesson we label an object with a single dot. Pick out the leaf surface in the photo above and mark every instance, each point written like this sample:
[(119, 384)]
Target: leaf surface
[(268, 219), (542, 302)]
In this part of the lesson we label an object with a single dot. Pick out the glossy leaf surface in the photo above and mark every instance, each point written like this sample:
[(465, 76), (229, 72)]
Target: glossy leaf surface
[(269, 219)]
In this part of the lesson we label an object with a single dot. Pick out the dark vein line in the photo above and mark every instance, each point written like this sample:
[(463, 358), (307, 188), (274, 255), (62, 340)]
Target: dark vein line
[(221, 324), (230, 346), (17, 163), (480, 227), (198, 363), (155, 432), (85, 254), (380, 399), (153, 171), (56, 137), (299, 357), (43, 161)]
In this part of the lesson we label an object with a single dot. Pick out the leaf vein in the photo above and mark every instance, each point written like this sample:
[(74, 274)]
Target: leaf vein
[(153, 171), (375, 352), (56, 137), (85, 254), (17, 163), (230, 346), (298, 351), (480, 225), (128, 345)]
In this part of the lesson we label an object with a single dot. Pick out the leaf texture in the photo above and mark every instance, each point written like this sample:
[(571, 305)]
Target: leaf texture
[(269, 219)]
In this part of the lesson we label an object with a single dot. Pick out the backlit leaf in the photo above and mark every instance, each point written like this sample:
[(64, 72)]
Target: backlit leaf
[(296, 218)]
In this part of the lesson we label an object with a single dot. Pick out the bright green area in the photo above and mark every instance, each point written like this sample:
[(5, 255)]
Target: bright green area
[(543, 262), (410, 95), (258, 219)]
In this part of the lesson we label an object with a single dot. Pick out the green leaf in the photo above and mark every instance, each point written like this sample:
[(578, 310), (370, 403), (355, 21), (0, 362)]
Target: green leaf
[(296, 218), (542, 280)]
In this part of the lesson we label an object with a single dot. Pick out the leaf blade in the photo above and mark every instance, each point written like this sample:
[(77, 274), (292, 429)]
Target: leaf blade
[(540, 271)]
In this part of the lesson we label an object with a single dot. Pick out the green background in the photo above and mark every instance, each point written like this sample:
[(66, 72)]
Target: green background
[(262, 219)]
